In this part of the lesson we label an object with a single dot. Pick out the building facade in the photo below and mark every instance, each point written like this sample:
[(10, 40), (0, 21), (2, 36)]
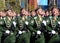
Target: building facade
[(28, 4), (32, 4)]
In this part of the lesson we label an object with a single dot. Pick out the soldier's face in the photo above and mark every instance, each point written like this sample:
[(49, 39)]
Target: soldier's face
[(3, 14), (47, 13), (18, 14), (43, 13), (55, 11), (23, 11), (26, 13), (33, 13), (13, 13), (40, 11), (9, 13)]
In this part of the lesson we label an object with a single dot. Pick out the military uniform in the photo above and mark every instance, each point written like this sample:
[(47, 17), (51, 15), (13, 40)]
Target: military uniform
[(45, 27), (35, 28), (32, 26), (1, 27), (8, 35), (14, 24), (54, 37), (23, 31)]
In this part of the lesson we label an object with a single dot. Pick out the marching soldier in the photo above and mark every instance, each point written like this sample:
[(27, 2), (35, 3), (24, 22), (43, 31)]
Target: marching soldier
[(14, 23), (58, 23), (45, 24), (8, 34), (39, 29), (35, 27), (53, 30), (2, 15), (32, 26), (58, 26), (23, 31)]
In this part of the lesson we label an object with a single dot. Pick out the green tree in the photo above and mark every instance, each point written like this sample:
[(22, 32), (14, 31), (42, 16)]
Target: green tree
[(2, 4)]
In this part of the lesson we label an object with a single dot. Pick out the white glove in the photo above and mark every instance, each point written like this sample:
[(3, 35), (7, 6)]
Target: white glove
[(20, 32), (32, 21), (35, 17), (33, 32), (1, 22), (53, 32), (44, 22), (58, 22), (4, 18), (38, 32), (11, 33), (50, 17), (49, 32), (26, 22), (47, 20), (23, 31), (14, 23), (7, 31)]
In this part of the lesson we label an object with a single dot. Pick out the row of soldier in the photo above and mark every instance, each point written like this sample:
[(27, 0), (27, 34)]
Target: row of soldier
[(37, 26)]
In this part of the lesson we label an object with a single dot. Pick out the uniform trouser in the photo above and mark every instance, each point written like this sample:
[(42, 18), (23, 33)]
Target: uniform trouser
[(54, 39), (0, 36), (24, 38), (40, 39), (10, 39), (47, 37), (32, 38)]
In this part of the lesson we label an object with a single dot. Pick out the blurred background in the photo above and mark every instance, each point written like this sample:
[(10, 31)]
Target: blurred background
[(28, 4)]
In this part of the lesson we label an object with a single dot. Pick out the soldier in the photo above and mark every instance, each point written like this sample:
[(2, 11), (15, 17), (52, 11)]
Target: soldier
[(14, 19), (2, 14), (40, 30), (45, 24), (47, 13), (15, 25), (33, 13), (32, 26), (8, 35), (53, 30), (24, 33), (58, 23), (35, 27)]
